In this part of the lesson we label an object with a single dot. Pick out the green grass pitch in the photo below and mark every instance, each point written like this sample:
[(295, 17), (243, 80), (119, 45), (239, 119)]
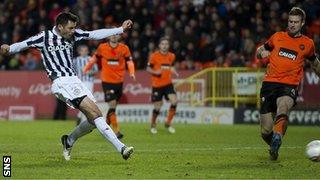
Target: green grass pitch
[(195, 151)]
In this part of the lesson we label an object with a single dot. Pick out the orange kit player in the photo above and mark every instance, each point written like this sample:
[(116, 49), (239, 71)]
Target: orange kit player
[(112, 57), (161, 67), (287, 52)]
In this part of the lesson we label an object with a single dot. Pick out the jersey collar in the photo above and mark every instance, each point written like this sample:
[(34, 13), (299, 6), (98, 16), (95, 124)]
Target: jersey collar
[(293, 36), (54, 30)]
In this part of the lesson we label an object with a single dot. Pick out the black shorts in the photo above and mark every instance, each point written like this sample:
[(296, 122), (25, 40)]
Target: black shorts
[(112, 91), (269, 93), (160, 92)]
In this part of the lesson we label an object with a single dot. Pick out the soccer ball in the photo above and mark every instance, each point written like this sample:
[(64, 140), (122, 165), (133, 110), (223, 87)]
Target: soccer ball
[(313, 150)]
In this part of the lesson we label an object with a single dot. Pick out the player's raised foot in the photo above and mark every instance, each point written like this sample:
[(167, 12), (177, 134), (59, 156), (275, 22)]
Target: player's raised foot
[(153, 130), (66, 148), (126, 152), (274, 147), (119, 135)]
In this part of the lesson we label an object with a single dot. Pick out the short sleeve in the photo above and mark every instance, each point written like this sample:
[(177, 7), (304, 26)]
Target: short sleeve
[(151, 60), (312, 51), (269, 44), (127, 53)]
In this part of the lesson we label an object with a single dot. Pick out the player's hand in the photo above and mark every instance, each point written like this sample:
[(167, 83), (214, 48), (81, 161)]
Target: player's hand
[(5, 49), (265, 54), (133, 77), (127, 24)]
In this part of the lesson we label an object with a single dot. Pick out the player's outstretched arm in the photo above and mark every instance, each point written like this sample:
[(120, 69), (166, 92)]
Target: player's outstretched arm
[(102, 33), (34, 41), (13, 48), (262, 52)]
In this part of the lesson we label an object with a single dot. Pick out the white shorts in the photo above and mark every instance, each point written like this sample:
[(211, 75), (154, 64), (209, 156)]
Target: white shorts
[(69, 88), (89, 85)]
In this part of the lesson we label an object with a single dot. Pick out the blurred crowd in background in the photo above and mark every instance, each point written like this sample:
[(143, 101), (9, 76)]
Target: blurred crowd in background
[(203, 33)]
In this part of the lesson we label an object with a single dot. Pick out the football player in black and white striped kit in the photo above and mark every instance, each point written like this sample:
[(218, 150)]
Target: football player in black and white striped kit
[(87, 79), (56, 48)]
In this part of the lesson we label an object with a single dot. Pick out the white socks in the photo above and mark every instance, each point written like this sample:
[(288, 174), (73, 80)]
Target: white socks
[(82, 129), (107, 132)]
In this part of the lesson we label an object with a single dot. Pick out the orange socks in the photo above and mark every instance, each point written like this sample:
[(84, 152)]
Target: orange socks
[(281, 124), (112, 119), (172, 112)]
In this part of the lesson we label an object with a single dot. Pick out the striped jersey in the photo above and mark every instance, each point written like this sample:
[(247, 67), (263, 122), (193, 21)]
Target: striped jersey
[(57, 52), (79, 63)]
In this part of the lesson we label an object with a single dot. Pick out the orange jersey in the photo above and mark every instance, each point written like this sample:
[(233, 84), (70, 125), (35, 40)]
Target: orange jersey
[(287, 56), (163, 62), (113, 62)]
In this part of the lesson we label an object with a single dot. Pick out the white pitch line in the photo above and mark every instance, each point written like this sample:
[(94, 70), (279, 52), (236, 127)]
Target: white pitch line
[(193, 149), (177, 149)]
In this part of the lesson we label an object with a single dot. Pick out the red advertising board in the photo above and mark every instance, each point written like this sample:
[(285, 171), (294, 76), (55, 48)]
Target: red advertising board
[(309, 90), (139, 92), (28, 93), (25, 90)]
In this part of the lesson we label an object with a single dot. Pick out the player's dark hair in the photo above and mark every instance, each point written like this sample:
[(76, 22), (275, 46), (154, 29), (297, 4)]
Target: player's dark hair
[(164, 39), (296, 11), (64, 17)]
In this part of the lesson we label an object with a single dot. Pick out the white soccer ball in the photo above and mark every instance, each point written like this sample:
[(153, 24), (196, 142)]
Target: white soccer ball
[(313, 150)]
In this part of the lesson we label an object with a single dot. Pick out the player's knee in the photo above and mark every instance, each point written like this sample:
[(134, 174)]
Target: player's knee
[(266, 130), (266, 126), (77, 101), (112, 104), (173, 106), (157, 105), (111, 111), (94, 114), (174, 101), (156, 111), (282, 116), (285, 103)]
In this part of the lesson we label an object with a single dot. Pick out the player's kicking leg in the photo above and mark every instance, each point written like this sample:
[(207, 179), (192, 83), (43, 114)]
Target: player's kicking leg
[(95, 119)]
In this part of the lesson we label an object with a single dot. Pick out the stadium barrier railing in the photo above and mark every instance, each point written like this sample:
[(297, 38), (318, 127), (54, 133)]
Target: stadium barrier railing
[(228, 87)]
